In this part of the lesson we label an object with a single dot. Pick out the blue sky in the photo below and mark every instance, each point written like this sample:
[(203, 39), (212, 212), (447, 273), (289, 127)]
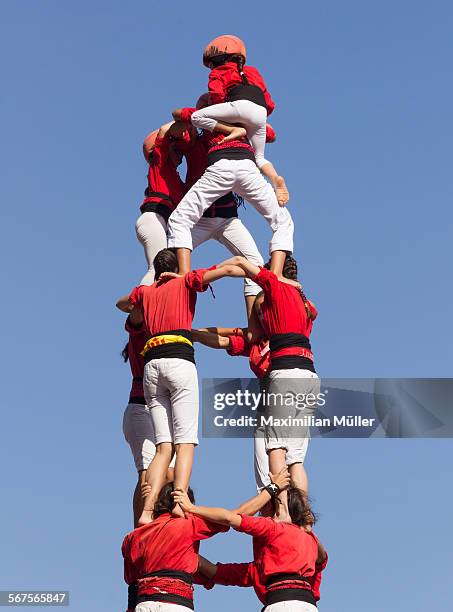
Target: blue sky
[(364, 124)]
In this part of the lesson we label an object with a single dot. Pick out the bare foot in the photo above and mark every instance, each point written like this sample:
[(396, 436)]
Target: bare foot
[(178, 512), (236, 134), (145, 518), (281, 191)]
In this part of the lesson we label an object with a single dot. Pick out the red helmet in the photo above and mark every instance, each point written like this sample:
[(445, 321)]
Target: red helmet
[(148, 144), (226, 44), (203, 101)]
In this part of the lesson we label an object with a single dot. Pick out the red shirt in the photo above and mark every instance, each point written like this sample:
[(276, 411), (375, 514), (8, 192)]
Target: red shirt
[(137, 340), (163, 177), (223, 78), (247, 575), (258, 353), (171, 305), (283, 309), (280, 547), (166, 543)]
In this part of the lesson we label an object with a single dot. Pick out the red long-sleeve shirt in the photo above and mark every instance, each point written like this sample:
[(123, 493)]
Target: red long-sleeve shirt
[(166, 543), (163, 178), (137, 340), (223, 78), (283, 309), (258, 353)]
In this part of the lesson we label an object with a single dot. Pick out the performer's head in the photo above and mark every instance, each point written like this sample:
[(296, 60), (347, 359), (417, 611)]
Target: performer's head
[(165, 503), (165, 261), (299, 508)]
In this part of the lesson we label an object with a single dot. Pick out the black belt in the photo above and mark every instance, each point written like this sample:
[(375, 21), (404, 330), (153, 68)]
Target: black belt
[(168, 597), (157, 207), (253, 93), (178, 350), (289, 362), (233, 153), (292, 593), (137, 399), (225, 207)]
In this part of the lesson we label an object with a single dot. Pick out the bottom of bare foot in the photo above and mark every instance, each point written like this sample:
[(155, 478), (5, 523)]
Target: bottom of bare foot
[(281, 191), (236, 134), (146, 517), (178, 512)]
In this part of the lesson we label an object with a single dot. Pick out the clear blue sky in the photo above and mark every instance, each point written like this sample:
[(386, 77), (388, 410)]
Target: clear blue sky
[(364, 124)]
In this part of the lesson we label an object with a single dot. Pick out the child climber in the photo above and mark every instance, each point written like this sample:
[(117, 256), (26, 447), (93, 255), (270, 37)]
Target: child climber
[(238, 95)]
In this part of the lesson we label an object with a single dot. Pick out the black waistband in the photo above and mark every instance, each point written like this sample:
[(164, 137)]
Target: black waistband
[(132, 593), (225, 207), (169, 597), (253, 93), (274, 597), (169, 573), (233, 153), (290, 362), (178, 350), (137, 399), (281, 341), (161, 209)]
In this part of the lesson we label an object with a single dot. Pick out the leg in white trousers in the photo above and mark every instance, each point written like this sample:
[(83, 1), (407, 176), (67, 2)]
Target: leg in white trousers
[(290, 606), (233, 234), (243, 177), (157, 606), (245, 113), (171, 392), (151, 231)]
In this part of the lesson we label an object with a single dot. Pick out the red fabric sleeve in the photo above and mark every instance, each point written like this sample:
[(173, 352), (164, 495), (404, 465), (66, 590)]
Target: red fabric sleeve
[(234, 574), (238, 346), (216, 87), (257, 526), (194, 279), (202, 529), (186, 114), (271, 135), (317, 577), (267, 280), (135, 298), (129, 574), (313, 309), (161, 151)]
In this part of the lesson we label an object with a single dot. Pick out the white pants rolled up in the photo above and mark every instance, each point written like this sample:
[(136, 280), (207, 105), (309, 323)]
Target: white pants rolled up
[(171, 392), (244, 113), (151, 230), (300, 382), (233, 234), (139, 434), (243, 177)]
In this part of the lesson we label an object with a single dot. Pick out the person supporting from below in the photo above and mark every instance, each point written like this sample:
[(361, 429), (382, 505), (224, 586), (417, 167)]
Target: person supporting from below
[(287, 555), (170, 375)]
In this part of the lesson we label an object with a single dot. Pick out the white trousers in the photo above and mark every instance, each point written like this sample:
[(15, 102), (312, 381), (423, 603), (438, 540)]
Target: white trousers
[(139, 433), (289, 606), (151, 230), (245, 113), (243, 177), (157, 606), (171, 393), (296, 383), (233, 234)]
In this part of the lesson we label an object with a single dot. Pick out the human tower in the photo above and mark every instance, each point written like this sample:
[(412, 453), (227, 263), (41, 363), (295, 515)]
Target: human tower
[(223, 140)]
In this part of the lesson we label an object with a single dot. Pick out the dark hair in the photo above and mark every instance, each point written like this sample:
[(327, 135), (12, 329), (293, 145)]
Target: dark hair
[(299, 508), (165, 501), (165, 261), (125, 352), (237, 58), (290, 271)]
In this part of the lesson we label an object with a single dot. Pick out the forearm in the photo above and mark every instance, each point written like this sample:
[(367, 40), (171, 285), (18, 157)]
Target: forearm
[(217, 515), (206, 568), (254, 505), (249, 269), (210, 339), (125, 304)]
